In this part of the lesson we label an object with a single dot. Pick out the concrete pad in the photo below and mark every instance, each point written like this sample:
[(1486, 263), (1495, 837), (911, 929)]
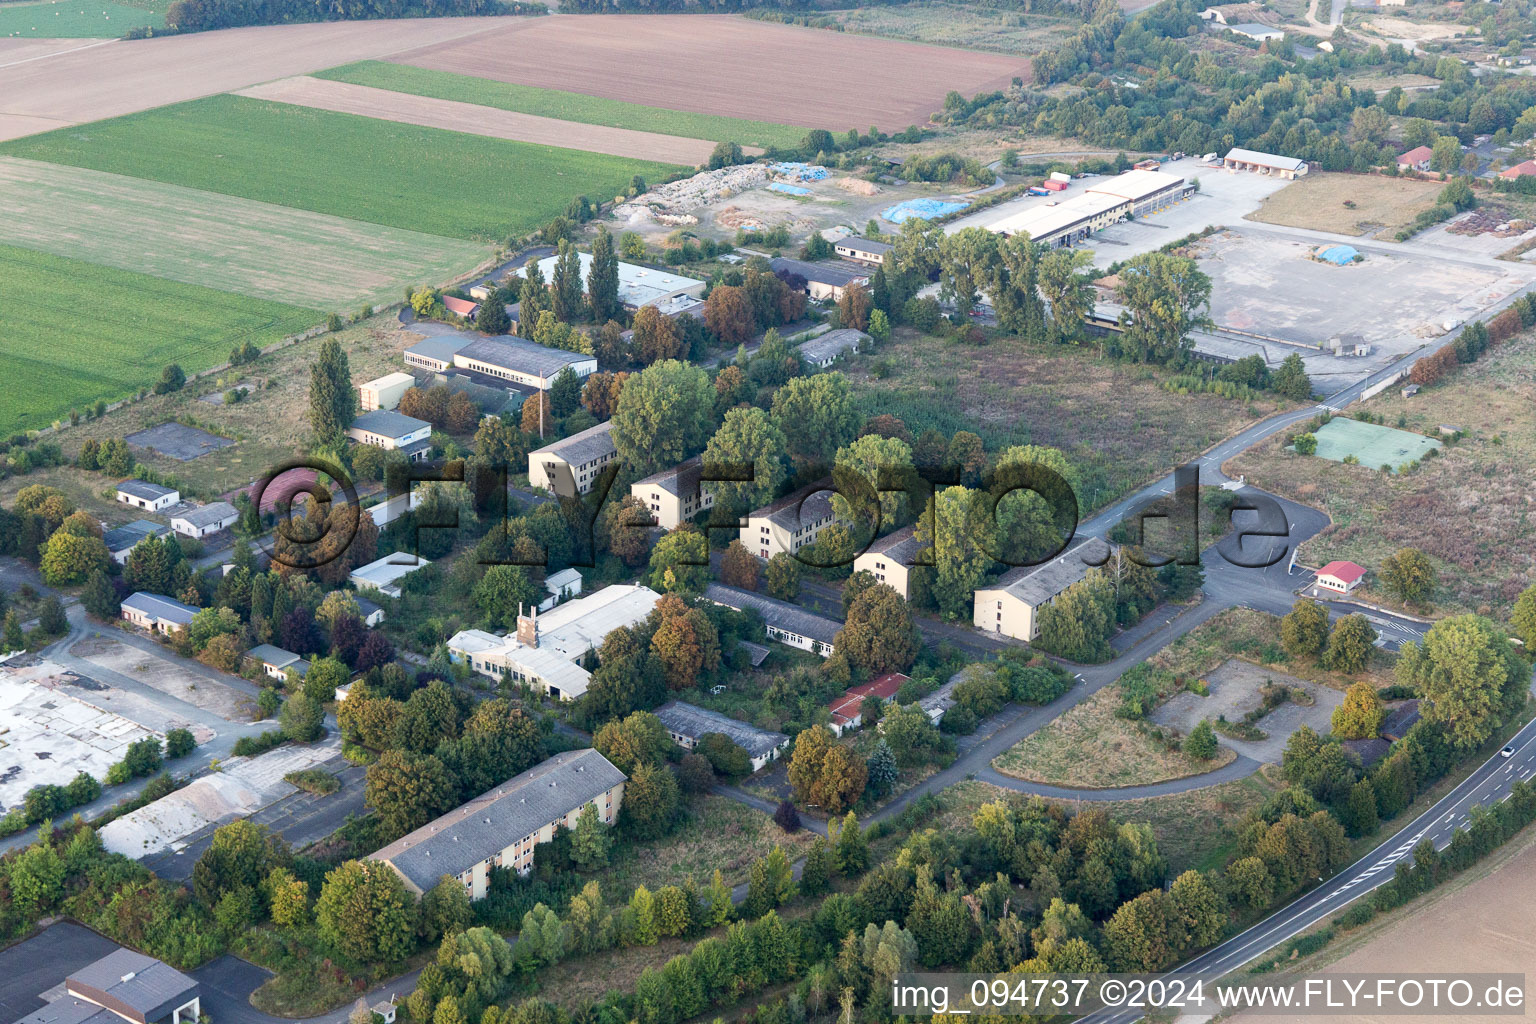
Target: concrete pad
[(1234, 687), (178, 441), (171, 675)]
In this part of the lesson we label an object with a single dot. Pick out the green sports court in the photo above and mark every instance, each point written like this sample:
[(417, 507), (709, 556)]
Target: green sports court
[(1374, 446)]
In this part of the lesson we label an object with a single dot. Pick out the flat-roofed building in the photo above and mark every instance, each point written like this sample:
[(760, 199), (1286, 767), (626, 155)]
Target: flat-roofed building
[(1011, 606), (571, 465), (145, 495), (1069, 221), (825, 349), (862, 250), (638, 286), (384, 574), (393, 431), (789, 524), (521, 361), (1239, 159), (123, 986), (890, 559), (787, 623), (156, 612), (1145, 190), (674, 496), (435, 354), (384, 392), (687, 724), (501, 827)]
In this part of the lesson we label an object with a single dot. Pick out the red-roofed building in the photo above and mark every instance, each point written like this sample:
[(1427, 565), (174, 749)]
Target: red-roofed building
[(1341, 577), (463, 307), (1416, 159), (1520, 170), (848, 710)]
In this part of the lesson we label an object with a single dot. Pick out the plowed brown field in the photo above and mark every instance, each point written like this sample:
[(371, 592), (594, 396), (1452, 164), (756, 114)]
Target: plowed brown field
[(718, 64)]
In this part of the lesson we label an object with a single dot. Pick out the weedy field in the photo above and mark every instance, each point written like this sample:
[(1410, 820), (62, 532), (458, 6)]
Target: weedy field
[(404, 176), (217, 241), (974, 28), (1378, 205), (72, 332), (567, 106)]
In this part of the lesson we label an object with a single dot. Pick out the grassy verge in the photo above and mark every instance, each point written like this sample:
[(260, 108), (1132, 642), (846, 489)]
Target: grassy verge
[(72, 332), (567, 106), (422, 179), (1089, 747)]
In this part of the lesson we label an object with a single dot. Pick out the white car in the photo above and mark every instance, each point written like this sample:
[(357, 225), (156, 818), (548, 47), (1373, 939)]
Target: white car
[(1508, 751)]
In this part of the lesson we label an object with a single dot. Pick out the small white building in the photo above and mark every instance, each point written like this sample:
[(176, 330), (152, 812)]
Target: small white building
[(275, 662), (571, 465), (561, 585), (145, 495), (393, 431), (384, 392), (862, 250), (674, 496), (157, 613), (1238, 159), (205, 520), (122, 540), (1340, 577), (824, 350), (384, 574)]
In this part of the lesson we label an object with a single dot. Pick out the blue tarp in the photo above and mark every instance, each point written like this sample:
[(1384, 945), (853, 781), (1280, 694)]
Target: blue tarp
[(799, 171), (1339, 254), (794, 190), (925, 209)]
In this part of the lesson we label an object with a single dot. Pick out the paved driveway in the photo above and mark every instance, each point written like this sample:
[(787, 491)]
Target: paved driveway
[(30, 968)]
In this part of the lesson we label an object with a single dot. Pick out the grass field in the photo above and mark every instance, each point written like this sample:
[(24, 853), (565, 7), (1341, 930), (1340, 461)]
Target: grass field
[(234, 245), (973, 28), (1089, 747), (72, 332), (1117, 426), (78, 19), (567, 106), (1254, 636), (1381, 205), (383, 172), (1469, 508)]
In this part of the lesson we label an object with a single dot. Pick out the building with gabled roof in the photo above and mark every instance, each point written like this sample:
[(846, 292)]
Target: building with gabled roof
[(123, 986), (890, 559), (571, 465), (520, 361), (823, 350), (204, 520), (847, 710), (825, 280), (145, 495), (384, 574), (275, 662), (674, 496), (121, 540), (1416, 159), (687, 724), (790, 523), (501, 827), (782, 621), (862, 250), (393, 431), (156, 612), (460, 307), (1011, 606), (1239, 159)]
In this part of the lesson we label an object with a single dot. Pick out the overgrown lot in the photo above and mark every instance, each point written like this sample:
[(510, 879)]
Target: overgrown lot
[(73, 332), (423, 179), (1349, 204), (1255, 636), (1469, 508), (972, 27), (1114, 421)]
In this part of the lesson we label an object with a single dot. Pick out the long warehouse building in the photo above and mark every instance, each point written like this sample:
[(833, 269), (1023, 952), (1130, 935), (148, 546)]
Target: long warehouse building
[(1132, 194)]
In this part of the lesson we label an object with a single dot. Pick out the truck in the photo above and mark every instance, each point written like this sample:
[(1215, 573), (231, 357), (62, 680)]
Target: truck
[(1037, 190)]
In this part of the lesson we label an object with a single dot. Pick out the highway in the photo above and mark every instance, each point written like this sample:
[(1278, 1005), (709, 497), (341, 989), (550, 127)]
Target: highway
[(1490, 783)]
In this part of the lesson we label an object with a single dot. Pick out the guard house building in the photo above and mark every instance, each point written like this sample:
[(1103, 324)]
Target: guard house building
[(501, 827), (123, 986)]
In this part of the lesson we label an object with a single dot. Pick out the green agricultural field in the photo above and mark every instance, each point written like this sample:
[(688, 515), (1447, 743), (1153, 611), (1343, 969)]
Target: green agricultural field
[(362, 168), (234, 245), (72, 332), (78, 19), (567, 106)]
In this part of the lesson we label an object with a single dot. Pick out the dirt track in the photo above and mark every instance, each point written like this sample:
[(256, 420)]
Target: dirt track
[(347, 98), (39, 92), (718, 64)]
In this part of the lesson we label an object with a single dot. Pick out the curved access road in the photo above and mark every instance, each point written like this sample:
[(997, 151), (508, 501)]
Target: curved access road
[(1240, 768)]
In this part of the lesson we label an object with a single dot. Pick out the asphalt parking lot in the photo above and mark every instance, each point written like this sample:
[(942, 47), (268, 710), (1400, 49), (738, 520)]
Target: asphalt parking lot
[(42, 962)]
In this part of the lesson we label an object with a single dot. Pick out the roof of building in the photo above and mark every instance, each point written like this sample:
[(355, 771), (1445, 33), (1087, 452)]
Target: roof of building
[(497, 818), (756, 653), (789, 512), (900, 546), (1416, 155), (208, 515), (124, 537), (1037, 584), (693, 721), (1137, 185), (1043, 221), (638, 285), (575, 627), (159, 606), (366, 606), (1369, 750), (682, 480), (832, 344), (144, 489), (1252, 156), (857, 244), (1520, 170), (389, 380), (1253, 28), (269, 654), (463, 307), (836, 273), (1399, 720), (474, 641), (140, 982), (388, 423), (492, 395), (583, 446), (520, 355), (557, 581), (780, 614), (439, 349), (1349, 572), (381, 572), (68, 1009), (848, 706)]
